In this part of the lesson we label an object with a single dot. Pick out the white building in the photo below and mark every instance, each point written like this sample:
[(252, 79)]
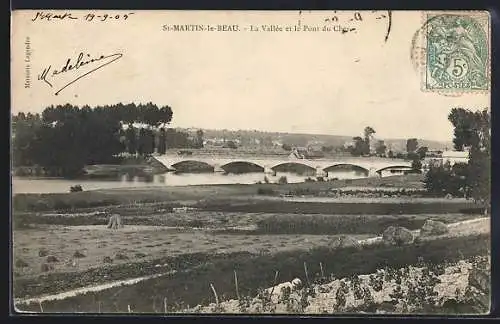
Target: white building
[(451, 157)]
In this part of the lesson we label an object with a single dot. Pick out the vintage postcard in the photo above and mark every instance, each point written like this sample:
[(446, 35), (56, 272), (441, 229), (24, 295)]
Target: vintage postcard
[(250, 162)]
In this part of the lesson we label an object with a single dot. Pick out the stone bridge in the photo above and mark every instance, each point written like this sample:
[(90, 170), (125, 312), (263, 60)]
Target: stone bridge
[(369, 166)]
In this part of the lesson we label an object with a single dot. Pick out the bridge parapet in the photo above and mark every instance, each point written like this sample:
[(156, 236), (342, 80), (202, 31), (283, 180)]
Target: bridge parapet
[(371, 166)]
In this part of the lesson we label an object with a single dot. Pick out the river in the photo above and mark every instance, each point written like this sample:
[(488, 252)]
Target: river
[(58, 185)]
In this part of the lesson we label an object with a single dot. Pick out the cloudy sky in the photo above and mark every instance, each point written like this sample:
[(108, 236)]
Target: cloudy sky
[(311, 82)]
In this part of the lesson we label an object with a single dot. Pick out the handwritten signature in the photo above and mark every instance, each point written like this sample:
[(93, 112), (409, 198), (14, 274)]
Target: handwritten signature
[(49, 74)]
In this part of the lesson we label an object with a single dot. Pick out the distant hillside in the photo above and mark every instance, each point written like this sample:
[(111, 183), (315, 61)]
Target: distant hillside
[(247, 136)]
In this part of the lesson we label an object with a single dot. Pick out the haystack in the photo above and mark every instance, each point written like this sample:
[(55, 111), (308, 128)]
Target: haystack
[(344, 241), (431, 228), (397, 235), (115, 221)]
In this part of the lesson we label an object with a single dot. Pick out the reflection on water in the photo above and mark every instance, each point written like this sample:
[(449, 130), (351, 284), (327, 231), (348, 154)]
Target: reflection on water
[(45, 185)]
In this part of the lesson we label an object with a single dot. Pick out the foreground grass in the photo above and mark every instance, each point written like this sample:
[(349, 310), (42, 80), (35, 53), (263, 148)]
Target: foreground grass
[(254, 272), (445, 288)]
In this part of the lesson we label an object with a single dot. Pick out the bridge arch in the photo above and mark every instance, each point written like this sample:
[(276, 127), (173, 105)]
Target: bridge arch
[(346, 167), (193, 166), (239, 167), (294, 167)]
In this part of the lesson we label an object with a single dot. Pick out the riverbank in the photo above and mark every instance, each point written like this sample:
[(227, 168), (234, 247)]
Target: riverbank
[(145, 194)]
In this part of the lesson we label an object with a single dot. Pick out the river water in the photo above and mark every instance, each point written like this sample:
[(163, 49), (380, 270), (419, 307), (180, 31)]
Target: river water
[(57, 185)]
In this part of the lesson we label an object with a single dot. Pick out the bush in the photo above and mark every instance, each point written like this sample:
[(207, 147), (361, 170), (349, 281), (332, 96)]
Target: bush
[(196, 223), (441, 180), (76, 188), (78, 254), (43, 252), (21, 264), (52, 259), (433, 228), (283, 180), (265, 191), (121, 256), (397, 235)]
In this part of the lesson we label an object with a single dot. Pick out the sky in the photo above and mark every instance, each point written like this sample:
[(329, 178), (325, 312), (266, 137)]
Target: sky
[(304, 82)]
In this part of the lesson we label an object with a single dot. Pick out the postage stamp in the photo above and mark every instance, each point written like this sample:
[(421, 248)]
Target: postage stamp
[(458, 54)]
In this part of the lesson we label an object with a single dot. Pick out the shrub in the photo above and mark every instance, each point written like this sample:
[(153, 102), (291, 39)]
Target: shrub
[(21, 263), (431, 227), (107, 259), (397, 235), (195, 223), (43, 252), (121, 256), (76, 188), (78, 254), (283, 180), (265, 191), (52, 259)]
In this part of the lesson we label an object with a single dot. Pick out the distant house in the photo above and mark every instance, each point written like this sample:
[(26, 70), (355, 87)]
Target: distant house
[(305, 153), (455, 156), (441, 158), (299, 153)]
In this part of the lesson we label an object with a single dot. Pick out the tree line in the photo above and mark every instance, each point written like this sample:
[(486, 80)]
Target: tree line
[(472, 131), (65, 138)]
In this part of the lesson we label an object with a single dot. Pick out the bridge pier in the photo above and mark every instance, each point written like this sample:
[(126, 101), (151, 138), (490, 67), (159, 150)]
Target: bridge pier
[(218, 169), (268, 170), (320, 172)]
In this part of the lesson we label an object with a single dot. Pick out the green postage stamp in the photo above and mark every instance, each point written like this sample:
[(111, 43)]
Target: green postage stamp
[(458, 52)]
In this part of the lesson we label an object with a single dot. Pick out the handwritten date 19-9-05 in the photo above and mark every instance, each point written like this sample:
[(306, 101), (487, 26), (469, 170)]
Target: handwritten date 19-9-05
[(49, 74), (49, 16)]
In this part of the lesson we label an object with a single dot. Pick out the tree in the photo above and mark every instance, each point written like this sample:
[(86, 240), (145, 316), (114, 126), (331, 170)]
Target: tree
[(473, 130), (358, 146), (437, 180), (327, 149), (380, 148), (368, 133), (390, 154), (422, 152), (411, 145), (162, 143), (416, 164), (65, 138), (142, 142), (464, 129), (231, 145), (199, 138), (131, 139)]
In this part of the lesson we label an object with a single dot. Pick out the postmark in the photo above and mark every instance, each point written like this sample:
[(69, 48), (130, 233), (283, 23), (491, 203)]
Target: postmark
[(452, 53)]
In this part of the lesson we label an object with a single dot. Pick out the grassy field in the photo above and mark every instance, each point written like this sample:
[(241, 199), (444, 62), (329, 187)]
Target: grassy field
[(61, 241), (192, 287), (98, 198)]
